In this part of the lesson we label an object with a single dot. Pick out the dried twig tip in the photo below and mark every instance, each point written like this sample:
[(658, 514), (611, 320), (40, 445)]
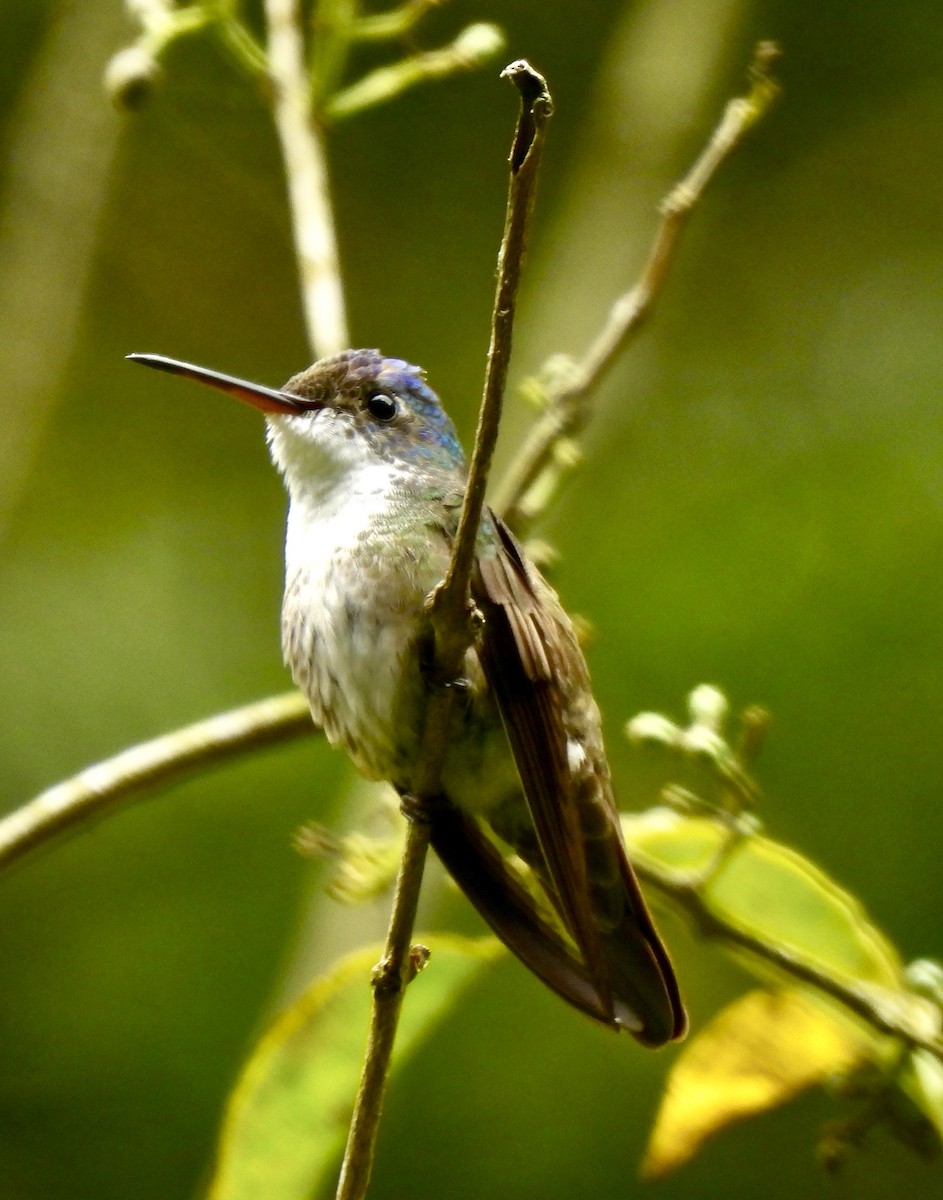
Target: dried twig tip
[(764, 87), (764, 56), (536, 108), (530, 83)]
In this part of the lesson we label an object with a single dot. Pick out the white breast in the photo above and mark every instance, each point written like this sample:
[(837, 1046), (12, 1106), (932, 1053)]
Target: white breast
[(348, 621)]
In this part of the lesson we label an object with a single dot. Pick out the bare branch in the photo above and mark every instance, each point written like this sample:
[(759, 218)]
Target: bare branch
[(474, 46), (399, 964), (568, 408), (307, 178), (453, 631), (101, 788), (536, 110)]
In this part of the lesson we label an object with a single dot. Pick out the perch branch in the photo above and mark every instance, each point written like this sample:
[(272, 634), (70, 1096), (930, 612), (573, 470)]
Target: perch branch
[(453, 630)]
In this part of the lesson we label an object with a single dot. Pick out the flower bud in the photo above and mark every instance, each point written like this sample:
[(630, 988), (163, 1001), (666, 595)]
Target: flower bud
[(130, 77)]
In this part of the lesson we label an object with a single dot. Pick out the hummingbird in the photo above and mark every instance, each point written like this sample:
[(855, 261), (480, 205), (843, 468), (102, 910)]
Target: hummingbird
[(375, 476)]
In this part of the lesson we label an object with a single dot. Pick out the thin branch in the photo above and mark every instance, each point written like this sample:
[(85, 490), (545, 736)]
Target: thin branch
[(453, 631), (307, 177), (474, 46), (399, 964), (396, 23), (536, 110), (568, 408), (242, 45), (858, 997), (99, 789)]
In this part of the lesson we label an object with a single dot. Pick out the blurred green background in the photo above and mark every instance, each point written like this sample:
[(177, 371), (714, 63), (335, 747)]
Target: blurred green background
[(763, 510)]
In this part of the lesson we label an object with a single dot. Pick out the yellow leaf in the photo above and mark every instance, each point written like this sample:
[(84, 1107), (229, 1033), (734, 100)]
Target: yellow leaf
[(759, 1052)]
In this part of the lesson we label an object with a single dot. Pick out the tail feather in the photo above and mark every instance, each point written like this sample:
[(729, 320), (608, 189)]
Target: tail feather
[(503, 902)]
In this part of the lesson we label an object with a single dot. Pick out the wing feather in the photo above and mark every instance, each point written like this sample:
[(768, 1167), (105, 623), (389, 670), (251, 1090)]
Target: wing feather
[(620, 972), (525, 657)]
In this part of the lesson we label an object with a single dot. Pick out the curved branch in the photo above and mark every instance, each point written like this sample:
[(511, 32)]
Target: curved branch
[(99, 789)]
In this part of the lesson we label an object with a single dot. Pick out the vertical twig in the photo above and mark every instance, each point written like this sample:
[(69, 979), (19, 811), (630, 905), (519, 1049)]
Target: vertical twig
[(453, 631), (536, 110), (307, 178), (390, 977)]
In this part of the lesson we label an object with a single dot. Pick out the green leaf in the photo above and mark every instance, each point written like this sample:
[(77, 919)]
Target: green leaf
[(767, 890), (286, 1122)]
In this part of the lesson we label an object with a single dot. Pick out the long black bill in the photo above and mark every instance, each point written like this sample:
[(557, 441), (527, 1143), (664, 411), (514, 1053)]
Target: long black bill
[(266, 399)]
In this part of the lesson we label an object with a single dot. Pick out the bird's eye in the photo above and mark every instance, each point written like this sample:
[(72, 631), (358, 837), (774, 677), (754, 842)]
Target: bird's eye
[(381, 406)]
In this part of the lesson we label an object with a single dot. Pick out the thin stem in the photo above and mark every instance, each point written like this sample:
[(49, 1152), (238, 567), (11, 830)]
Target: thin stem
[(390, 978), (307, 177), (567, 404), (99, 789), (453, 631), (473, 46), (536, 110), (242, 45), (393, 24)]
